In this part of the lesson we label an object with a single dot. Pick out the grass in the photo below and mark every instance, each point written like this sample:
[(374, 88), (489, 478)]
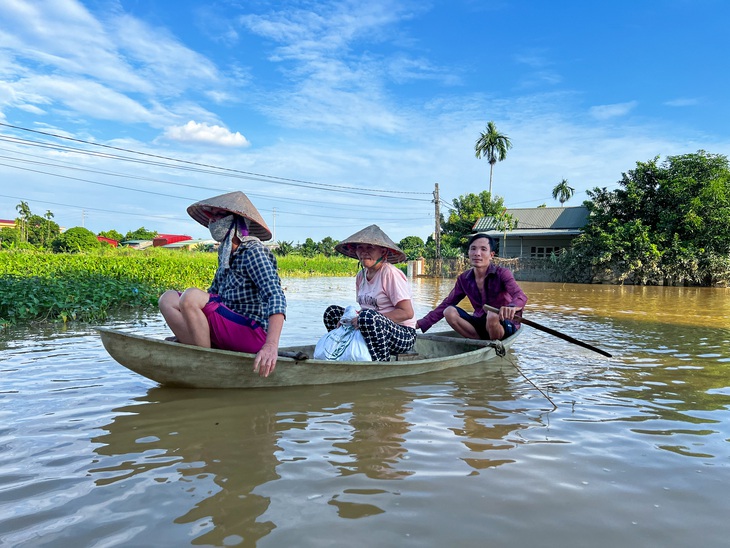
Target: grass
[(37, 286)]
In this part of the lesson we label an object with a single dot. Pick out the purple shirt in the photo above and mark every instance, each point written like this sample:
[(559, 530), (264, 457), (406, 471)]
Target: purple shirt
[(501, 290)]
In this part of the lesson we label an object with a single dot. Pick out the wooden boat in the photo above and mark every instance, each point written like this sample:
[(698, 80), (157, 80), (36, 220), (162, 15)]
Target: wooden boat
[(180, 365)]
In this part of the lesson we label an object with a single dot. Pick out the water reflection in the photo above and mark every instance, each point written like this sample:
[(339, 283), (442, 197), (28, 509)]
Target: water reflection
[(92, 454), (491, 424), (375, 445), (217, 463), (216, 450)]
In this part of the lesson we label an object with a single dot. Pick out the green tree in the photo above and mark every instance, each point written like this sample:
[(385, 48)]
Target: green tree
[(284, 248), (9, 237), (563, 192), (413, 246), (48, 216), (447, 250), (76, 239), (22, 221), (112, 235), (667, 222), (41, 231), (140, 234), (504, 222), (493, 146), (327, 246), (466, 211), (309, 248)]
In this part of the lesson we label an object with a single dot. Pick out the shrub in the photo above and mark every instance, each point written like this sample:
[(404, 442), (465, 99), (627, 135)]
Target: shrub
[(76, 239)]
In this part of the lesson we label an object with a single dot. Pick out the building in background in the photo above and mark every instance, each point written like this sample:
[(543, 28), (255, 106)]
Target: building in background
[(113, 243), (166, 239), (540, 231)]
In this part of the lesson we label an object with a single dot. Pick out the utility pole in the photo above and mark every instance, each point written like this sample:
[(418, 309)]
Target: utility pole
[(437, 216), (437, 233), (274, 233)]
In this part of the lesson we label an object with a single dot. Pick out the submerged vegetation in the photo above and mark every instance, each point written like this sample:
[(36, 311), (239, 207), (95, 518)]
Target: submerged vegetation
[(43, 286)]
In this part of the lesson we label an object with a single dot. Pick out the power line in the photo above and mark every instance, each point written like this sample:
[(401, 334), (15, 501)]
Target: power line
[(75, 206), (183, 168), (247, 174), (67, 165), (168, 218), (328, 215), (23, 160), (97, 182)]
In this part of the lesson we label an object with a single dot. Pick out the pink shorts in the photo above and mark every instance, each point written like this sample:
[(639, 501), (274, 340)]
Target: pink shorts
[(232, 331)]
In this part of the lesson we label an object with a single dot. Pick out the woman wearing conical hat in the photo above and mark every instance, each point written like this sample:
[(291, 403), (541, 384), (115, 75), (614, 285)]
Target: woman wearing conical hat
[(245, 306), (386, 317)]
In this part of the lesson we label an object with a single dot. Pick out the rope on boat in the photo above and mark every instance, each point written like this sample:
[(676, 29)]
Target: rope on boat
[(533, 384), (499, 349)]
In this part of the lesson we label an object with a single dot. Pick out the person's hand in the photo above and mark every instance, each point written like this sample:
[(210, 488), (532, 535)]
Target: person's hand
[(265, 360), (507, 312)]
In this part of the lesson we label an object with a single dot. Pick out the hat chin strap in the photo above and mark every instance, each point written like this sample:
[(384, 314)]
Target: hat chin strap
[(380, 260)]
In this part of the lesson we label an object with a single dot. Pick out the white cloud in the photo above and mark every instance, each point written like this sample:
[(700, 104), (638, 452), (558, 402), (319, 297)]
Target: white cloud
[(111, 68), (604, 112), (403, 69), (172, 67), (193, 132), (682, 102), (83, 96), (329, 86)]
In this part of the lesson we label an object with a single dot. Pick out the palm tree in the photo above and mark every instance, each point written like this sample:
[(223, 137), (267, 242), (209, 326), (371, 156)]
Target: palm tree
[(24, 211), (493, 146), (563, 192), (48, 216)]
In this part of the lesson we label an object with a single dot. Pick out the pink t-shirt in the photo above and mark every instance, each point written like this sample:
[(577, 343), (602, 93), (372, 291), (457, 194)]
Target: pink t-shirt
[(388, 287)]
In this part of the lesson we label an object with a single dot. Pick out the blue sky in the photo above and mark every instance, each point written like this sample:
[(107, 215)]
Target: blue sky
[(332, 116)]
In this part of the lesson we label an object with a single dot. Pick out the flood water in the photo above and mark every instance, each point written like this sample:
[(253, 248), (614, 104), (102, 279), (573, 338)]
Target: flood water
[(553, 446)]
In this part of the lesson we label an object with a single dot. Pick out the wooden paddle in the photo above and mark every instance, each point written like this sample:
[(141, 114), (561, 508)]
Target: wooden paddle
[(554, 333), (444, 338)]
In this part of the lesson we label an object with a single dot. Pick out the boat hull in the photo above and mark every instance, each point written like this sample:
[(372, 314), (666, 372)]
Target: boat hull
[(180, 365)]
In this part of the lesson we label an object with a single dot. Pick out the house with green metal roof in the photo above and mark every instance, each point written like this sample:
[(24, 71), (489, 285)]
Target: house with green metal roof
[(540, 231)]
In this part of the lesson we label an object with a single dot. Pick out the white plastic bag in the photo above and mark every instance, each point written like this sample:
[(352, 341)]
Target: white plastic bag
[(344, 343)]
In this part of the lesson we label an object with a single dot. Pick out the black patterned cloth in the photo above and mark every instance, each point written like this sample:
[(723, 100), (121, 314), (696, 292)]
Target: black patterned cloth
[(383, 336)]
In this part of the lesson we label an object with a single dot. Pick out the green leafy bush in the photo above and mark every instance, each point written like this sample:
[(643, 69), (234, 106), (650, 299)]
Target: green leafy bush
[(74, 240)]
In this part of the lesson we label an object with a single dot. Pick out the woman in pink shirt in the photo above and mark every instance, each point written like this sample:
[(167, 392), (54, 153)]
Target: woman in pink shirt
[(386, 318)]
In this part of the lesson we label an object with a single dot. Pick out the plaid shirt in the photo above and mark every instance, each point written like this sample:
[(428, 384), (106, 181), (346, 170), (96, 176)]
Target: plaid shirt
[(251, 286)]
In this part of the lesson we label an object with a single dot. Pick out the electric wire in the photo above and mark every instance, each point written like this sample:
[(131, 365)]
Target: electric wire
[(195, 165)]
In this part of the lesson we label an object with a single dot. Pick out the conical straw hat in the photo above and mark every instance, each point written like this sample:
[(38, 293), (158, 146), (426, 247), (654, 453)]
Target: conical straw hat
[(372, 235), (233, 202)]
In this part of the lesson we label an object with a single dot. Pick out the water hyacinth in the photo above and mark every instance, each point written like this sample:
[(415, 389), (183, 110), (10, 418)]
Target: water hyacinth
[(43, 286)]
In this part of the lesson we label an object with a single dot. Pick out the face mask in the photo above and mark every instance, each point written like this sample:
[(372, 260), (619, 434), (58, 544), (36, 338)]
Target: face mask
[(220, 227)]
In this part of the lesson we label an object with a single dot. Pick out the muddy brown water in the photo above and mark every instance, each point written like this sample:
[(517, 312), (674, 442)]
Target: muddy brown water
[(635, 453)]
